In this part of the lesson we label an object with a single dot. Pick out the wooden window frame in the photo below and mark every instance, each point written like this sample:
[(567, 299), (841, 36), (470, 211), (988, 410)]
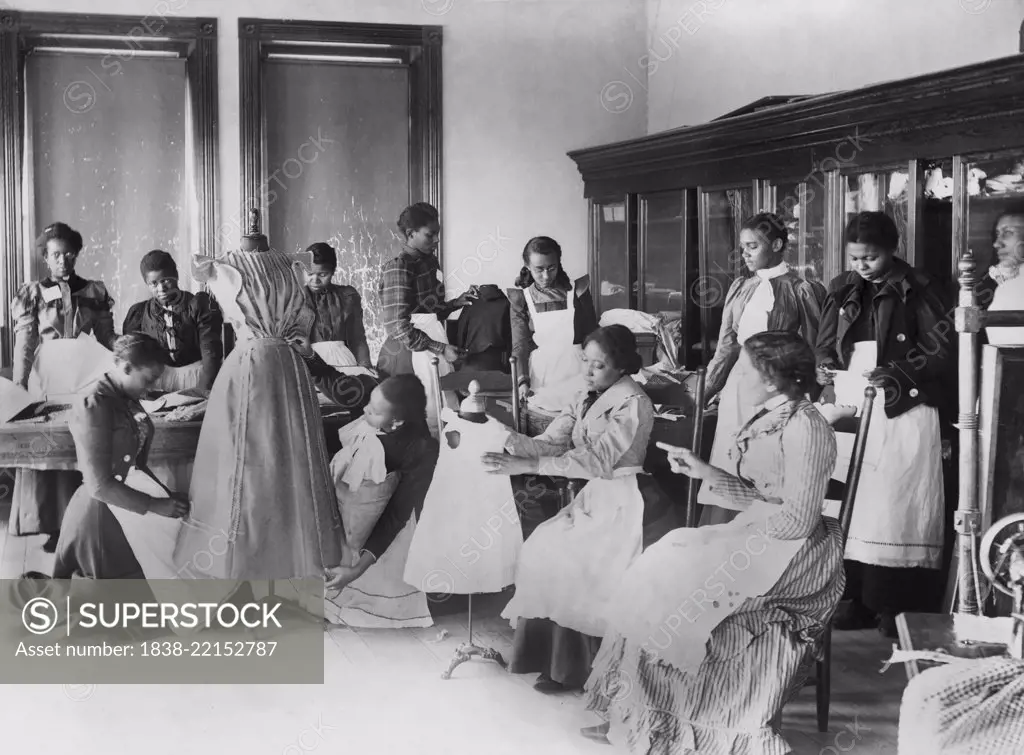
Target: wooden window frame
[(416, 47), (191, 39)]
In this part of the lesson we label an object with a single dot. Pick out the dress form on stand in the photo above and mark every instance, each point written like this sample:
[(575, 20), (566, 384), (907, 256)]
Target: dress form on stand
[(256, 241), (472, 409)]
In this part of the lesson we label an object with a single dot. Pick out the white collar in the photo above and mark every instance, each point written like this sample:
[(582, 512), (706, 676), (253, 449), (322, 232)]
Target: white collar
[(773, 272)]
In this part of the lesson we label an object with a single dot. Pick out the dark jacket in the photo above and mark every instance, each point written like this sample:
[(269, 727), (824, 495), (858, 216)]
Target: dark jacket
[(198, 329), (112, 434), (913, 333), (484, 330), (584, 321)]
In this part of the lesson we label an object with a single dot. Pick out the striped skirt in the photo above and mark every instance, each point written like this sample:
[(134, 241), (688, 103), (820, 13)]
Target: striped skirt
[(756, 659)]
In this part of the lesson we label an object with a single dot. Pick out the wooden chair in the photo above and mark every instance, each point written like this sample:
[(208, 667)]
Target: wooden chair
[(846, 492)]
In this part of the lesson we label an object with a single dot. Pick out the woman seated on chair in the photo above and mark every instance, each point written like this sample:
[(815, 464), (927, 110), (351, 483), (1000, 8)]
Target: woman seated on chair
[(569, 565), (710, 628), (189, 326), (551, 316)]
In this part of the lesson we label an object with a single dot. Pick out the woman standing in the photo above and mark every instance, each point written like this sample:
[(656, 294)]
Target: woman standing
[(61, 306), (710, 627), (188, 326), (880, 324), (773, 298), (570, 564), (262, 474), (413, 306), (551, 316)]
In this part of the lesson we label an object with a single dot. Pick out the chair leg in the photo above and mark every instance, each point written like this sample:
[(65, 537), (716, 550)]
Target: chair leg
[(823, 693)]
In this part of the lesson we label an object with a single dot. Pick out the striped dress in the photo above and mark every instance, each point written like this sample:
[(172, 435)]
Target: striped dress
[(720, 659)]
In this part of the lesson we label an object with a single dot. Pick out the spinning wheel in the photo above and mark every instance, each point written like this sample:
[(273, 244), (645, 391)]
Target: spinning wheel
[(1002, 556), (1002, 560)]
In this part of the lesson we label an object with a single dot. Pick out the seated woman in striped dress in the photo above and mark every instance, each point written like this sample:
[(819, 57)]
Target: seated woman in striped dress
[(711, 627)]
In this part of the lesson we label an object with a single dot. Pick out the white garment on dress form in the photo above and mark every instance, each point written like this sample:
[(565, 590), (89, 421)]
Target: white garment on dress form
[(469, 535), (423, 369), (898, 514), (556, 365), (754, 318)]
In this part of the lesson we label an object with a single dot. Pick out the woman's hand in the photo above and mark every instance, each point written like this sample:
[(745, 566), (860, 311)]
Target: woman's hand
[(880, 377), (686, 462), (506, 464), (452, 354), (464, 300), (176, 507), (339, 577), (304, 347)]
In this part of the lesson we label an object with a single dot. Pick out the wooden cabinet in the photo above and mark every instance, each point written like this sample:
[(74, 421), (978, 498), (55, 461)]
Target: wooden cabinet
[(942, 154)]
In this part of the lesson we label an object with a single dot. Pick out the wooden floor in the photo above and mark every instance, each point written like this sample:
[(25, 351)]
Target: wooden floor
[(383, 689)]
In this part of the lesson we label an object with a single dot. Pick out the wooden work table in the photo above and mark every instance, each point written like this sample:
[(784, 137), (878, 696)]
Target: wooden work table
[(48, 444)]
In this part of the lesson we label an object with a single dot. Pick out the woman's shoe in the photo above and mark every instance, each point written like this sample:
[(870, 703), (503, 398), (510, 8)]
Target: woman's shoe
[(547, 686), (596, 733)]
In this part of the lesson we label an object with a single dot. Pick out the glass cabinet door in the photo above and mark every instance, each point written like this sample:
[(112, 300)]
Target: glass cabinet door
[(610, 279), (802, 209), (995, 213), (722, 212), (662, 263), (662, 270), (881, 191)]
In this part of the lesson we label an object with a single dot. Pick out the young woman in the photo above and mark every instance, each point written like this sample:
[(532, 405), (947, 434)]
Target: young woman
[(372, 592), (880, 324), (112, 434), (61, 306), (339, 311), (709, 628), (262, 473), (773, 298), (413, 306), (189, 326), (570, 564), (551, 316)]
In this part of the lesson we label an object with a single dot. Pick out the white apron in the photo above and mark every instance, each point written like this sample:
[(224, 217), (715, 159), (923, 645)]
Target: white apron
[(335, 353), (152, 539), (556, 365), (570, 566), (691, 580), (421, 366), (898, 514)]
